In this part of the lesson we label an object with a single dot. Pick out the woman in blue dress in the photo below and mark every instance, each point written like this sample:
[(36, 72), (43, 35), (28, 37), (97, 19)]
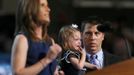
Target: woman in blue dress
[(33, 51)]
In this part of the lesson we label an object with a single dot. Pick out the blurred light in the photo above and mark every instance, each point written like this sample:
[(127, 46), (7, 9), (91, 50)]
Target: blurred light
[(104, 3), (83, 3)]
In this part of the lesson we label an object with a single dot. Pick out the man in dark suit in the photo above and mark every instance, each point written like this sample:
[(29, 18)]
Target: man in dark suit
[(92, 43)]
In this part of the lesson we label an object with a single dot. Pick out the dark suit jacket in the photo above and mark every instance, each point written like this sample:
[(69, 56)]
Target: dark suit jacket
[(109, 59)]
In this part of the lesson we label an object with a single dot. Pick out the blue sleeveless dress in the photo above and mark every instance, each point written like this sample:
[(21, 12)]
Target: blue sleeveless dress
[(36, 51)]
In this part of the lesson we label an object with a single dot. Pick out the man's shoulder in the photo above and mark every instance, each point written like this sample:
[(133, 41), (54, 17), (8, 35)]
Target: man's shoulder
[(111, 58), (110, 55)]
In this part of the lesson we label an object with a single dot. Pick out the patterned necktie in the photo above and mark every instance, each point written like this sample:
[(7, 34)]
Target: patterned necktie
[(93, 59)]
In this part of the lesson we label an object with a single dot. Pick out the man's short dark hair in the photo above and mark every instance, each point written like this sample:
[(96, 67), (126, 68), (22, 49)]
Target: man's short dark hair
[(92, 20)]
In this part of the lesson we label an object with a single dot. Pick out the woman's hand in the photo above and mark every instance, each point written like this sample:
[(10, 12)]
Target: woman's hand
[(54, 50)]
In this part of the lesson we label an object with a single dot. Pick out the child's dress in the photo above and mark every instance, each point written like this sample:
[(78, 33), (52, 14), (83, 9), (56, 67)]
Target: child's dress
[(66, 66)]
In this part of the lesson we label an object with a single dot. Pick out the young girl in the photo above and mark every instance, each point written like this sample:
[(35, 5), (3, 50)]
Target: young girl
[(73, 56)]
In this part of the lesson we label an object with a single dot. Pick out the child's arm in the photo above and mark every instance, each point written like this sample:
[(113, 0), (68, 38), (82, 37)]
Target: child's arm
[(78, 63), (91, 66)]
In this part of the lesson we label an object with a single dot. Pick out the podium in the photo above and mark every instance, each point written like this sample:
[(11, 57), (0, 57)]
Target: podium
[(123, 68)]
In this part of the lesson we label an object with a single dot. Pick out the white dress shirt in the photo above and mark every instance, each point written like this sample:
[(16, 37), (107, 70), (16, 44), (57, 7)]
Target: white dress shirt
[(99, 58)]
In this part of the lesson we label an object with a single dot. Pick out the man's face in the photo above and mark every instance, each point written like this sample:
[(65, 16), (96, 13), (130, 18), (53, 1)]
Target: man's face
[(92, 38)]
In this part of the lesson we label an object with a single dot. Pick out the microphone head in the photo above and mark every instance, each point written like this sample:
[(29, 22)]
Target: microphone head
[(105, 27)]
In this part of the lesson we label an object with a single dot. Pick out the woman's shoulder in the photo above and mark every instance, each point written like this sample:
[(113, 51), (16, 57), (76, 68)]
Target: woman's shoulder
[(20, 37), (20, 44)]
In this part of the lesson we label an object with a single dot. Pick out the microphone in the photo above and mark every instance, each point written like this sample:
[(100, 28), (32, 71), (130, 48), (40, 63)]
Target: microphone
[(105, 27)]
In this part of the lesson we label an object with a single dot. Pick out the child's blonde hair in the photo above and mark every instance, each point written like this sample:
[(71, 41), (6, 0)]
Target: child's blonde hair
[(65, 33)]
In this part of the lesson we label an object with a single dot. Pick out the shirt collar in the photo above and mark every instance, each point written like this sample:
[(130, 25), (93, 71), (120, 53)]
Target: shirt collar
[(99, 55)]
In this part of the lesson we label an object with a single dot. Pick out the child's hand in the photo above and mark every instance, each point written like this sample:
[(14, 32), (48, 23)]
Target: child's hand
[(94, 67), (91, 66), (82, 51)]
